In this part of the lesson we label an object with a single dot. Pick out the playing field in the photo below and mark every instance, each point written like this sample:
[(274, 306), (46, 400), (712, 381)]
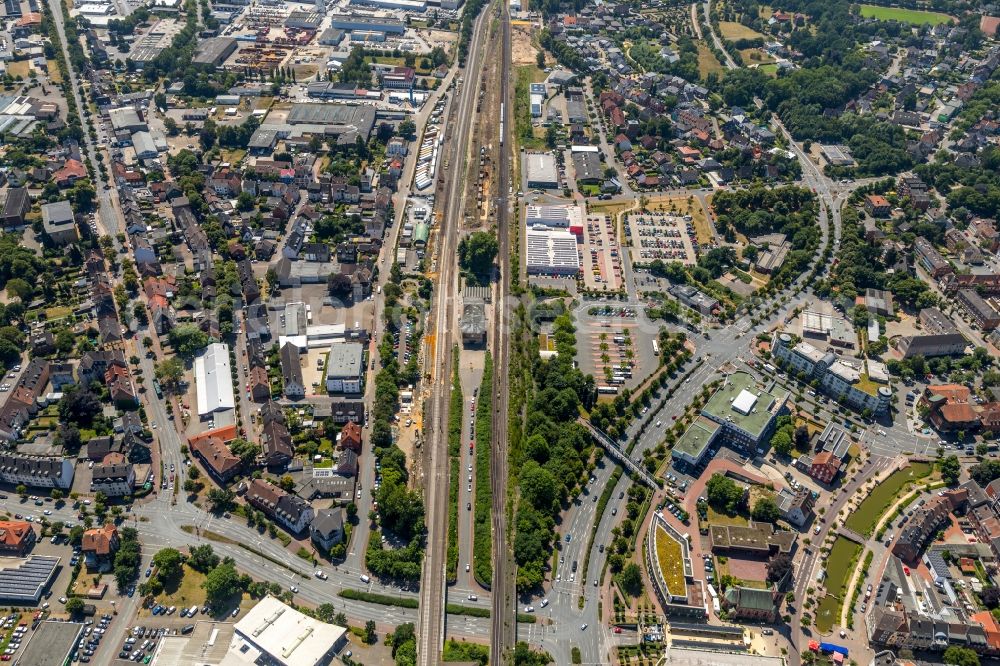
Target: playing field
[(914, 16), (733, 31)]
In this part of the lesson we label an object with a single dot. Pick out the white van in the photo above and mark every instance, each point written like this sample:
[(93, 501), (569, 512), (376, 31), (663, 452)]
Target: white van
[(365, 578)]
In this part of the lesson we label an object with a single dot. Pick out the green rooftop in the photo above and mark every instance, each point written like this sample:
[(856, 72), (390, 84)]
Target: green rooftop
[(696, 438), (743, 404)]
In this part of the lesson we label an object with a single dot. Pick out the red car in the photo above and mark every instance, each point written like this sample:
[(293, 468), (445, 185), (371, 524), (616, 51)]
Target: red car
[(906, 570), (618, 630), (5, 657)]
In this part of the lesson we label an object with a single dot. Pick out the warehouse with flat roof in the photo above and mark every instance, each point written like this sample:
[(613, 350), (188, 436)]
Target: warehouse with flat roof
[(552, 253), (272, 632), (22, 580), (345, 367), (214, 51), (214, 380), (542, 171), (51, 643)]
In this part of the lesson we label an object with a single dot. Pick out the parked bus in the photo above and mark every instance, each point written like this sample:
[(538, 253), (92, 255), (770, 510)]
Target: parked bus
[(656, 348), (607, 389)]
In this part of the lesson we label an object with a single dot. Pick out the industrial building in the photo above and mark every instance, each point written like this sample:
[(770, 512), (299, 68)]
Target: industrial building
[(275, 633), (542, 171), (51, 643), (552, 253), (352, 22), (126, 119), (23, 582), (345, 368), (213, 380), (214, 51), (587, 165), (567, 217), (303, 20), (144, 147), (740, 414)]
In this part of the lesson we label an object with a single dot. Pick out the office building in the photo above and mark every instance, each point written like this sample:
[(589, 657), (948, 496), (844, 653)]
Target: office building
[(345, 368), (274, 633)]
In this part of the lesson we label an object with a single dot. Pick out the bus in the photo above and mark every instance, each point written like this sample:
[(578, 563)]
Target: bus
[(157, 389), (656, 348), (607, 389)]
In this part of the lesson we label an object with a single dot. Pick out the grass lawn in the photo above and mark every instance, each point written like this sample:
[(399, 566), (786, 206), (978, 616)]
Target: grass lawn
[(771, 69), (19, 68), (751, 56), (716, 518), (734, 31), (839, 565), (525, 132), (668, 552), (707, 62), (902, 15), (234, 157), (54, 75), (864, 519), (58, 312)]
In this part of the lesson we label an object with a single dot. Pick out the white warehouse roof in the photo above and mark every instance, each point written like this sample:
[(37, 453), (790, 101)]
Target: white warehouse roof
[(552, 252), (214, 380), (284, 635)]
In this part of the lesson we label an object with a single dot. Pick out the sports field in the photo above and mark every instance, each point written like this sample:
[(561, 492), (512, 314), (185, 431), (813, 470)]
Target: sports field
[(915, 16)]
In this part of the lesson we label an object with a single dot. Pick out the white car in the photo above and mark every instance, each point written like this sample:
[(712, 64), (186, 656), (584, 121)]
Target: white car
[(529, 609)]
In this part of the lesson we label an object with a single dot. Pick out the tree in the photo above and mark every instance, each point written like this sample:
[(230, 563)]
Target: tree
[(990, 596), (246, 451), (245, 201), (476, 253), (781, 443), (20, 289), (403, 634), (222, 583), (960, 656), (187, 339), (286, 482), (537, 485), (778, 566), (407, 129), (74, 606), (370, 636), (801, 437), (21, 490), (631, 579), (56, 494), (78, 405), (765, 510), (220, 499), (723, 493), (950, 470), (202, 558), (540, 59), (170, 372), (168, 563)]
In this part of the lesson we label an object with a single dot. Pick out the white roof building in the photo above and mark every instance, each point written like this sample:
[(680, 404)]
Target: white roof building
[(214, 380), (272, 632), (556, 217)]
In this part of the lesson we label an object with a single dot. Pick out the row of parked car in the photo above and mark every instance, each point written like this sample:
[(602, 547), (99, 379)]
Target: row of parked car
[(90, 639), (15, 637)]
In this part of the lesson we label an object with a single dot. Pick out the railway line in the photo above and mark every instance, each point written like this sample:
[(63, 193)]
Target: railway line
[(504, 618), (433, 588)]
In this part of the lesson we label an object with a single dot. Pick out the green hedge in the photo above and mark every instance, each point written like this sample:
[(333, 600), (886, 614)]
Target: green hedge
[(482, 550), (383, 599), (454, 452)]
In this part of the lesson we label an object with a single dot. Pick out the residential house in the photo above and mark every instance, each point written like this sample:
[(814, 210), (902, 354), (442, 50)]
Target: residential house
[(220, 462), (327, 528), (291, 511), (16, 538), (291, 372), (99, 546), (114, 480)]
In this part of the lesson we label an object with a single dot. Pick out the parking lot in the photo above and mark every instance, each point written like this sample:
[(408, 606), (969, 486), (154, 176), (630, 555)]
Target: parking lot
[(602, 260), (661, 236), (613, 346)]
